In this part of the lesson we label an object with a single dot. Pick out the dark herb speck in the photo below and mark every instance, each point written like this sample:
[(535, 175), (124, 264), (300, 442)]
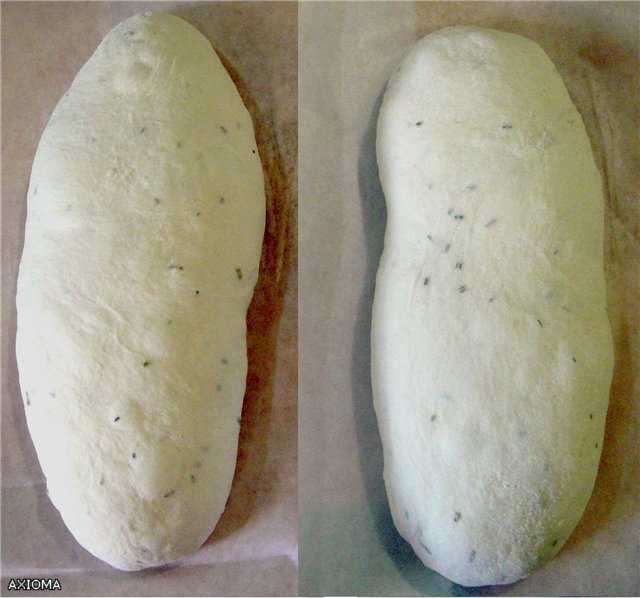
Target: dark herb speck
[(224, 360), (178, 144), (426, 281), (157, 200), (447, 247), (539, 323), (419, 123), (168, 494), (102, 481), (26, 394), (574, 359), (218, 387), (459, 216), (239, 273), (462, 289), (434, 417), (490, 223), (471, 187), (133, 455), (425, 547), (193, 478), (457, 516), (223, 129), (197, 292), (458, 265), (143, 129), (591, 416), (145, 364), (596, 445), (554, 542), (238, 420), (472, 556), (221, 199), (507, 126), (175, 267), (253, 151), (117, 418)]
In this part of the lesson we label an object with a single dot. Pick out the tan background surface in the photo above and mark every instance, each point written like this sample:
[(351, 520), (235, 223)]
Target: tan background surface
[(348, 544), (253, 550)]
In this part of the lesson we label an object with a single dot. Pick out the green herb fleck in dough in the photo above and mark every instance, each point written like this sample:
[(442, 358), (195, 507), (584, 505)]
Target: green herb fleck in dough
[(574, 359), (145, 364), (239, 273), (554, 542), (491, 223), (458, 265), (197, 292), (539, 323), (221, 199), (168, 494), (169, 322), (178, 144), (419, 123), (447, 247), (462, 289), (459, 216), (596, 445), (426, 281), (224, 360), (490, 299), (457, 516), (507, 126), (26, 394), (143, 129), (254, 151), (157, 200), (425, 547), (434, 417), (198, 213), (198, 464), (102, 481), (556, 251), (175, 267), (591, 416), (218, 387), (193, 478), (471, 187), (223, 129), (133, 455), (116, 418), (238, 419), (406, 514)]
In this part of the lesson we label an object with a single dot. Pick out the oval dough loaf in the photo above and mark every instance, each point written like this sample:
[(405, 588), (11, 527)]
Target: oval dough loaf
[(491, 348), (143, 237)]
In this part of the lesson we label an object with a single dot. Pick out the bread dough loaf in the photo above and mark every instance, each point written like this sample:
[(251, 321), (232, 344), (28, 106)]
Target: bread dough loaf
[(491, 348), (143, 237)]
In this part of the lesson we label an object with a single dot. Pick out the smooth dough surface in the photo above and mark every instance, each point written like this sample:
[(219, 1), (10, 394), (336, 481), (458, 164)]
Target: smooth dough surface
[(491, 348), (144, 230)]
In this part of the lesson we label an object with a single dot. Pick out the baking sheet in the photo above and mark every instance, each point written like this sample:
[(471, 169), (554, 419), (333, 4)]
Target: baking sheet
[(348, 544), (253, 550)]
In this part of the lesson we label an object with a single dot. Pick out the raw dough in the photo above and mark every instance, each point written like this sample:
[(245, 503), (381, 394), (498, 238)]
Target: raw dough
[(143, 237), (491, 348)]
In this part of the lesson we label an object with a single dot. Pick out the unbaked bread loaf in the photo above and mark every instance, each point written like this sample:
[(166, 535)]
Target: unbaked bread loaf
[(491, 349), (146, 213)]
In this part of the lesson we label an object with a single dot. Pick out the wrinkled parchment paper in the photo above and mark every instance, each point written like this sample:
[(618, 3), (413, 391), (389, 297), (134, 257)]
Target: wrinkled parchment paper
[(253, 550), (348, 544)]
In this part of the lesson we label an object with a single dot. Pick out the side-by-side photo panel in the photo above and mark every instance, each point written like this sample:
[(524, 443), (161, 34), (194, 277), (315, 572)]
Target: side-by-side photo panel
[(149, 187), (468, 187)]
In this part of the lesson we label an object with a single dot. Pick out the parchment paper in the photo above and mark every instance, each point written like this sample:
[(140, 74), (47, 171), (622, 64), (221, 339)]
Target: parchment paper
[(253, 550), (348, 544)]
